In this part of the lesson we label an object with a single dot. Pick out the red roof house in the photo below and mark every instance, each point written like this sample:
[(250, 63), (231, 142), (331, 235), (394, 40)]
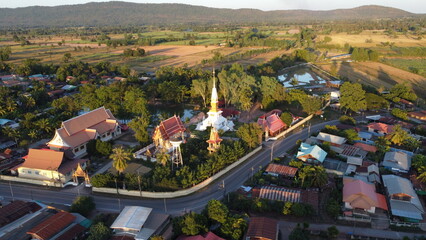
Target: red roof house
[(366, 147), (358, 194), (380, 128), (277, 169), (262, 228), (207, 236), (168, 130)]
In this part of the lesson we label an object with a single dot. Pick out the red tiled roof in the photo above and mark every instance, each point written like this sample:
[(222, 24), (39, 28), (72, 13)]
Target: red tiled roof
[(273, 123), (207, 236), (381, 199), (170, 127), (272, 112), (366, 147), (86, 120), (43, 159), (71, 233), (16, 210), (52, 225), (381, 127), (229, 112), (69, 165), (262, 227), (281, 169)]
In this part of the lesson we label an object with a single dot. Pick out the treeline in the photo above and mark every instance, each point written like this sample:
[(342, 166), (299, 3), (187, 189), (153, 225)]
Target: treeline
[(409, 51), (364, 54)]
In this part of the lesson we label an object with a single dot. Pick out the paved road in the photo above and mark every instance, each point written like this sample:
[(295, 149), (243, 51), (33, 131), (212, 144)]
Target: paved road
[(176, 206), (286, 227)]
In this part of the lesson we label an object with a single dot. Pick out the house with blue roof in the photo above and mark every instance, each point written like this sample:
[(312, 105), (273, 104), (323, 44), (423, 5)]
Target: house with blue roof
[(311, 153)]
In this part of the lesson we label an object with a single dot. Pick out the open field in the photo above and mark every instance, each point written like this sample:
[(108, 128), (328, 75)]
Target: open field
[(376, 37), (378, 74)]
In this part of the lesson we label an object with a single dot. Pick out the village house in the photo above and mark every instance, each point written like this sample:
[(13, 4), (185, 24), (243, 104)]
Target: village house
[(48, 165), (397, 161), (380, 129), (262, 228), (76, 132), (311, 153), (280, 170), (330, 138), (206, 236), (420, 115), (403, 200), (360, 197), (404, 104)]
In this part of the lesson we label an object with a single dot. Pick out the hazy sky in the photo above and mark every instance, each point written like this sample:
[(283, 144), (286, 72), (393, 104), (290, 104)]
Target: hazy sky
[(415, 6)]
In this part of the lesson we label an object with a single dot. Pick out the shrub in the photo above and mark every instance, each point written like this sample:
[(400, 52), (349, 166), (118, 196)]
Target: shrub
[(83, 205)]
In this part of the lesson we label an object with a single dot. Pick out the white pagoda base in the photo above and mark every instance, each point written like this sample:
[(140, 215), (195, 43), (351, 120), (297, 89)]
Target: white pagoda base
[(216, 120)]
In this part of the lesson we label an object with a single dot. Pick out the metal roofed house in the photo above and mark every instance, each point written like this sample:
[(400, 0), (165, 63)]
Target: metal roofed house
[(420, 115), (139, 222), (403, 200), (397, 161), (277, 169), (52, 226), (15, 210), (76, 132), (365, 136), (311, 153), (48, 165), (332, 139), (262, 228), (360, 195), (380, 128), (131, 220)]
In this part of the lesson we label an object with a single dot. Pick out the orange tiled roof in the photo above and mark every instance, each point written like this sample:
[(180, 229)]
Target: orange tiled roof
[(366, 147), (170, 127), (381, 127), (87, 120), (43, 159)]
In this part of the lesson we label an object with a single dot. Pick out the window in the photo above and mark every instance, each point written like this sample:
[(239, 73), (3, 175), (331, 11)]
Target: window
[(29, 172), (37, 173)]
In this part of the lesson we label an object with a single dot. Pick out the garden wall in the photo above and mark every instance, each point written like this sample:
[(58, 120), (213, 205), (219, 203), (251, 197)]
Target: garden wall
[(179, 193), (31, 181)]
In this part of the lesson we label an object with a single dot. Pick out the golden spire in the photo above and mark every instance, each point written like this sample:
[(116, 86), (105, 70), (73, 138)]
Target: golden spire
[(214, 141), (214, 99)]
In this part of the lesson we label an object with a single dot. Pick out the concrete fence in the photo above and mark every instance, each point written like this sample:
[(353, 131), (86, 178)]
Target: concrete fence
[(179, 193), (31, 181)]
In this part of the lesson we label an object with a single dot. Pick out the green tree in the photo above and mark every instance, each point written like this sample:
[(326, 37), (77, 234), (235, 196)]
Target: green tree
[(200, 87), (352, 97), (217, 211), (99, 232), (401, 90), (351, 135), (140, 126), (299, 233), (347, 120), (234, 228), (287, 208), (311, 104), (103, 148), (5, 53), (418, 161), (194, 224), (44, 124), (271, 91), (399, 113), (83, 205), (251, 134), (375, 102), (332, 232), (333, 208), (120, 157), (287, 118), (162, 157)]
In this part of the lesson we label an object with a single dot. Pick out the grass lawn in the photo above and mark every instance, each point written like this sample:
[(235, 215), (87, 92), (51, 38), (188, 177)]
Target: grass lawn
[(410, 65)]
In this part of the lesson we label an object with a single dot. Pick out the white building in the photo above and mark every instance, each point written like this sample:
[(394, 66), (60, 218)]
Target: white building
[(215, 118)]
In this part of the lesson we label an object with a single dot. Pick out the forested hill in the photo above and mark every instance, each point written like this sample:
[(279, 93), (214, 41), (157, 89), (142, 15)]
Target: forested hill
[(125, 13)]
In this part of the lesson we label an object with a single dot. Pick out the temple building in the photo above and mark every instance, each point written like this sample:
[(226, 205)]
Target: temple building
[(51, 166), (76, 132), (214, 141), (167, 131), (215, 118)]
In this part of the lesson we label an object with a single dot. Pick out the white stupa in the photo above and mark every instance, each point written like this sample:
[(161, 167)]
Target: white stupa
[(215, 118)]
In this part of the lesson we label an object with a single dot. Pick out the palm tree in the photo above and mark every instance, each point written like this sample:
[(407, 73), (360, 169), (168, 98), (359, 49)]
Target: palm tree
[(398, 136), (319, 177), (44, 124), (163, 157), (32, 134), (12, 133), (2, 111), (422, 174), (10, 105), (120, 156)]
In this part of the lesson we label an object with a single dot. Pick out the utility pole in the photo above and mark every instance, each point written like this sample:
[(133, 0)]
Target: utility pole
[(11, 191), (165, 206), (119, 205), (139, 182)]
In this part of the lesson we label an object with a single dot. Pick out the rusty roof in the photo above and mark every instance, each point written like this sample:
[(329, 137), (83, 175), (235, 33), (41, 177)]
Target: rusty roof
[(381, 127), (281, 169), (43, 159), (72, 233), (366, 147), (16, 210), (52, 225), (262, 227)]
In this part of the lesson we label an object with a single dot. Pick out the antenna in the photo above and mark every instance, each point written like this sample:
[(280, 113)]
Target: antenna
[(214, 78)]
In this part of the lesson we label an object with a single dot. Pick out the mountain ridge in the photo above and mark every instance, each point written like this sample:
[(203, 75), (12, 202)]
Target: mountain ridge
[(127, 13)]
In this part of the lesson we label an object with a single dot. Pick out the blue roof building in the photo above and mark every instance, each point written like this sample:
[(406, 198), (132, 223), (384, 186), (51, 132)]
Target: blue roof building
[(311, 153)]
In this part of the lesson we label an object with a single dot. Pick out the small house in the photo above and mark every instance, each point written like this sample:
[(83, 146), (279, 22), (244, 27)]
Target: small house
[(311, 153)]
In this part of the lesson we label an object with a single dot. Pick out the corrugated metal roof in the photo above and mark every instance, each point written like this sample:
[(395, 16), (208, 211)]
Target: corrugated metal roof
[(132, 218), (52, 225), (262, 228), (279, 194), (281, 169), (331, 138)]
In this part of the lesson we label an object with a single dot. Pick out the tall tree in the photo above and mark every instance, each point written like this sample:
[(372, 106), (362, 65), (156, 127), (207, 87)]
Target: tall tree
[(352, 97), (398, 135), (99, 232), (140, 126), (217, 211), (271, 90), (120, 156), (202, 88), (251, 134)]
